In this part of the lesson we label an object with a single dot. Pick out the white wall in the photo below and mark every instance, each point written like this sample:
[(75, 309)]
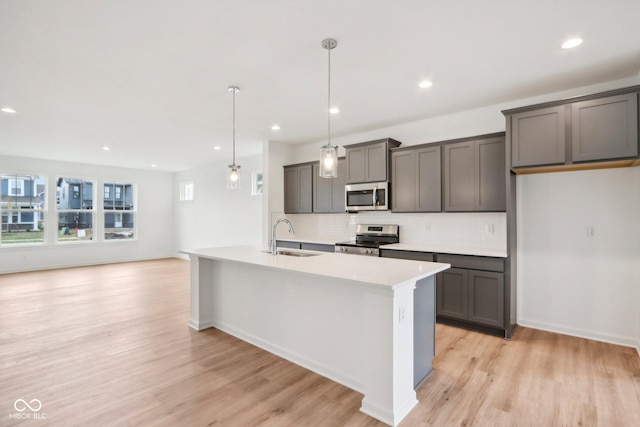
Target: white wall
[(217, 216), (154, 219), (585, 287), (571, 282)]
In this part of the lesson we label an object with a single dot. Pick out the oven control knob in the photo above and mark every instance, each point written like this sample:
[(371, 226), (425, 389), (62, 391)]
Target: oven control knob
[(368, 251)]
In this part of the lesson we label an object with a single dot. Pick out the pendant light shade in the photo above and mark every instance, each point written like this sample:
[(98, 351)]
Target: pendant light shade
[(233, 171), (328, 152)]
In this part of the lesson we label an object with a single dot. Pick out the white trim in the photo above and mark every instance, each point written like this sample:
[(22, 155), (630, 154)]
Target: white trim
[(581, 333)]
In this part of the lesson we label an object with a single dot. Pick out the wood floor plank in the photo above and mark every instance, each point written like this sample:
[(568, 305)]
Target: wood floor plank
[(110, 346)]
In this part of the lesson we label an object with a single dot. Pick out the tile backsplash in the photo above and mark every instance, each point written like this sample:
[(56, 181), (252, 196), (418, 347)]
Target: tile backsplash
[(473, 230)]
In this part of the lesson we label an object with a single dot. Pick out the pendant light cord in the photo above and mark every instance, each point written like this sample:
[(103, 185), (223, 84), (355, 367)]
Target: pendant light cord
[(234, 126), (329, 100)]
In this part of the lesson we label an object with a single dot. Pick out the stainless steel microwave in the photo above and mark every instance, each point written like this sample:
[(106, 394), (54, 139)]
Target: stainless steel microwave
[(370, 196)]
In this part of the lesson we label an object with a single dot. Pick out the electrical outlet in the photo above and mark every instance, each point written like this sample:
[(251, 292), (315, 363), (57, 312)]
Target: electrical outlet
[(427, 226), (490, 228), (591, 231), (401, 314)]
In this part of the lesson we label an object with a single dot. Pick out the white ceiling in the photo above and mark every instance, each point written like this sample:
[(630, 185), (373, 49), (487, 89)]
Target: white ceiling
[(149, 78)]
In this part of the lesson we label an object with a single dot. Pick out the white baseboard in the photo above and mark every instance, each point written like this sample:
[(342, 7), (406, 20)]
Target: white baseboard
[(581, 333)]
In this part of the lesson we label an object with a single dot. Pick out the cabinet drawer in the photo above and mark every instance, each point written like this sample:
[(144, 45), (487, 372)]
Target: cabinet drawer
[(287, 244), (416, 256), (473, 262), (319, 247)]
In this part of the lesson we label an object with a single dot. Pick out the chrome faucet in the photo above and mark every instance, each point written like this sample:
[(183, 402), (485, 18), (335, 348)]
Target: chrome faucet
[(272, 244)]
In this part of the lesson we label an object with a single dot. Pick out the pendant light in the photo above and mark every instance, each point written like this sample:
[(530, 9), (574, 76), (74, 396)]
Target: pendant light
[(233, 172), (328, 152)]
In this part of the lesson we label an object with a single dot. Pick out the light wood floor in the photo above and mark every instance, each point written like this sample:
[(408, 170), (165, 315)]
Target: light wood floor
[(110, 346)]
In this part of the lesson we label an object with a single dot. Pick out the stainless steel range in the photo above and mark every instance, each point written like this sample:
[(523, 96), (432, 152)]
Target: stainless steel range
[(369, 238)]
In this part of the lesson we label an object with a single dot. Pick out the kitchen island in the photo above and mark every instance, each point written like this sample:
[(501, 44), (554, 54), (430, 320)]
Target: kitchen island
[(365, 322)]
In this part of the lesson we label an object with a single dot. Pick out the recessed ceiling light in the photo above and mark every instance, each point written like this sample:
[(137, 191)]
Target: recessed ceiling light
[(8, 110), (217, 147), (334, 110), (425, 84), (106, 148), (153, 166), (571, 43), (275, 127)]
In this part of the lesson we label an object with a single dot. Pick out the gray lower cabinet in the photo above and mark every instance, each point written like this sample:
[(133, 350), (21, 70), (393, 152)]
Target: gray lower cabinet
[(287, 244), (472, 293), (319, 247), (466, 293), (298, 189), (416, 180), (412, 255), (474, 175), (328, 193)]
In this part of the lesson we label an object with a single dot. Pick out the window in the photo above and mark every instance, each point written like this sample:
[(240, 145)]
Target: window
[(16, 187), (119, 203), (75, 212), (23, 208), (186, 191), (256, 183)]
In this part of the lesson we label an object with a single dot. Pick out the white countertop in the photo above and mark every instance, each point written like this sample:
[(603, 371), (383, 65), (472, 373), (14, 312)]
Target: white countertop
[(426, 247), (446, 250), (387, 272)]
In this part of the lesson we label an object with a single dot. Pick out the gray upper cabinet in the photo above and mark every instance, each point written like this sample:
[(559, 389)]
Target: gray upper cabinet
[(605, 128), (566, 135), (474, 175), (490, 175), (369, 161), (298, 188), (538, 137), (328, 193), (416, 180), (459, 177)]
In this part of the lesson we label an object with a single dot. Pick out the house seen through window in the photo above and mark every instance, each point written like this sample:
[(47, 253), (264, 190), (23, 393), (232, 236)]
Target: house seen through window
[(22, 208), (76, 214), (119, 204)]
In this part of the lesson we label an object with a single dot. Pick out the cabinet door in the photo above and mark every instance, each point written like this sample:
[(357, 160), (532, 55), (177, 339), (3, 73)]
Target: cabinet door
[(486, 298), (328, 193), (337, 188), (298, 189), (459, 176), (305, 189), (291, 190), (376, 162), (428, 197), (605, 128), (322, 194), (490, 175), (403, 194), (356, 164), (452, 293), (538, 137)]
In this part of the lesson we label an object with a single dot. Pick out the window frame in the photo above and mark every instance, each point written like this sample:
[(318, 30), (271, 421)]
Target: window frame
[(11, 210), (132, 211), (72, 180)]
